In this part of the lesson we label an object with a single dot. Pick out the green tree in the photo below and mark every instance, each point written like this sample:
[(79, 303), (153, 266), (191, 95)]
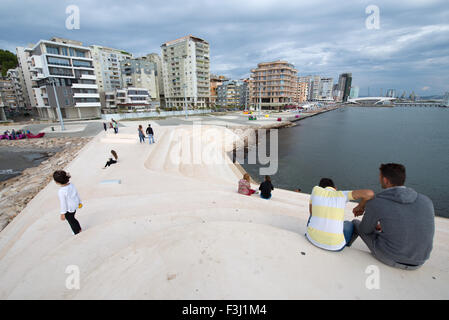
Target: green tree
[(8, 60)]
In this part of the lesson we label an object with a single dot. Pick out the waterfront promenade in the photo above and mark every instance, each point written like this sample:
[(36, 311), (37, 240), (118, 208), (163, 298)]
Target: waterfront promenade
[(181, 231)]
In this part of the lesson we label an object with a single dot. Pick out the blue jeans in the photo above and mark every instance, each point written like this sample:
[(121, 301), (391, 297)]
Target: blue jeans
[(150, 138), (142, 138), (348, 229), (265, 198)]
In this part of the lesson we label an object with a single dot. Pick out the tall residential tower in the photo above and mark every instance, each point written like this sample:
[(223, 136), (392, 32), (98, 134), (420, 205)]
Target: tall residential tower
[(185, 68)]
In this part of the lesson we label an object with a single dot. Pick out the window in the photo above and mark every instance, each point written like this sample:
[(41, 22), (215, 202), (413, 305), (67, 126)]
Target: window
[(58, 61), (52, 50), (80, 53), (64, 51), (60, 71), (78, 63)]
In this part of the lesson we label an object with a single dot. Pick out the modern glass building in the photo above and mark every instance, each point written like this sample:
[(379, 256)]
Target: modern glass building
[(68, 66)]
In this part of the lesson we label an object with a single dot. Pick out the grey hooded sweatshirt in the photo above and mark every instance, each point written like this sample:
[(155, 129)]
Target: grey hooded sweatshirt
[(407, 219)]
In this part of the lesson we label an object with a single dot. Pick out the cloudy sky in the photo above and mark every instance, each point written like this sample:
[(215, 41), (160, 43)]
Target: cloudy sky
[(409, 51)]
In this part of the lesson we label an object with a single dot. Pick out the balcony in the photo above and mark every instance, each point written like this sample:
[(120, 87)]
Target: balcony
[(86, 95), (84, 86), (87, 104), (88, 77), (37, 76)]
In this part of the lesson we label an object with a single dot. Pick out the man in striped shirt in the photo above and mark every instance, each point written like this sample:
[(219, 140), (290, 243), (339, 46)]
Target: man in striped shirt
[(326, 227)]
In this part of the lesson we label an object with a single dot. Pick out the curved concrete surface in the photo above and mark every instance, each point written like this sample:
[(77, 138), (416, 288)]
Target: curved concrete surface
[(176, 229)]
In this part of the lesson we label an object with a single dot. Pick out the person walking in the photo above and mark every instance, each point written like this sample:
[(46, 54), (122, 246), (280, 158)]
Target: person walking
[(265, 188), (115, 126), (105, 127), (69, 199), (141, 134), (150, 134)]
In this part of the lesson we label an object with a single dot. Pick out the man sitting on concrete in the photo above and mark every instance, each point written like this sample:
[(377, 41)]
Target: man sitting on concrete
[(326, 227), (398, 224)]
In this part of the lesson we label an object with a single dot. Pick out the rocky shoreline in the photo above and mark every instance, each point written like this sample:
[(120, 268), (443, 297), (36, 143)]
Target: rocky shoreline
[(15, 193)]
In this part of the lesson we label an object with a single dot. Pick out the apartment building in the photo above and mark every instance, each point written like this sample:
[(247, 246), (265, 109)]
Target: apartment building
[(25, 77), (107, 67), (8, 94), (303, 90), (140, 73), (157, 60), (13, 75), (232, 93), (215, 81), (314, 92), (354, 93), (344, 86), (325, 91), (185, 68), (62, 71), (128, 100), (273, 84), (8, 99)]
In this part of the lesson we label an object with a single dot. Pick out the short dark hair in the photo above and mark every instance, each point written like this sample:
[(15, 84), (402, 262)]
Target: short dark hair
[(267, 178), (326, 182), (394, 172), (61, 176)]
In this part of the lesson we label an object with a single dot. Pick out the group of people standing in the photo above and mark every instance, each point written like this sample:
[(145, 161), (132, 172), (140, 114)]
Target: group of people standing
[(112, 125), (149, 132), (397, 225)]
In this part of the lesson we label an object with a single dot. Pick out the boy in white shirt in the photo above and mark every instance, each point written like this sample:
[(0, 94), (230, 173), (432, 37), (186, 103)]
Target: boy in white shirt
[(69, 199)]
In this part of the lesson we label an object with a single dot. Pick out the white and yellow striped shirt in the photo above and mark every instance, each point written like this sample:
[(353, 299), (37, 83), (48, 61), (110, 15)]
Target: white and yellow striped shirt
[(325, 229)]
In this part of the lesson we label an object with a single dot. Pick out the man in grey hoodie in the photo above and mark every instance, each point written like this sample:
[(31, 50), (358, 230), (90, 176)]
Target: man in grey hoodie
[(398, 225)]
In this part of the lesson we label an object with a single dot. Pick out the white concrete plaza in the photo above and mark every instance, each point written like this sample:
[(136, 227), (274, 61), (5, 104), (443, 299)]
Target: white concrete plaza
[(181, 231)]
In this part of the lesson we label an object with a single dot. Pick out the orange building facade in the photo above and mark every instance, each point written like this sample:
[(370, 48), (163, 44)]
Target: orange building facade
[(274, 84)]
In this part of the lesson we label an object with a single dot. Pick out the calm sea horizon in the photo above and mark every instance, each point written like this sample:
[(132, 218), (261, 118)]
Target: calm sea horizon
[(349, 144)]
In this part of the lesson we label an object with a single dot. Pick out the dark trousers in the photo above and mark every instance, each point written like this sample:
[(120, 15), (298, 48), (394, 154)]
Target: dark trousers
[(369, 240), (111, 161), (74, 224)]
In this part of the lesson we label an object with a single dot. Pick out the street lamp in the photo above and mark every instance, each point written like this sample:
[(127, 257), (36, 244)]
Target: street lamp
[(53, 83)]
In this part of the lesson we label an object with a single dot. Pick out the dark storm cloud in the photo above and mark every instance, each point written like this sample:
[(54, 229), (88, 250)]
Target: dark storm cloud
[(409, 52)]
